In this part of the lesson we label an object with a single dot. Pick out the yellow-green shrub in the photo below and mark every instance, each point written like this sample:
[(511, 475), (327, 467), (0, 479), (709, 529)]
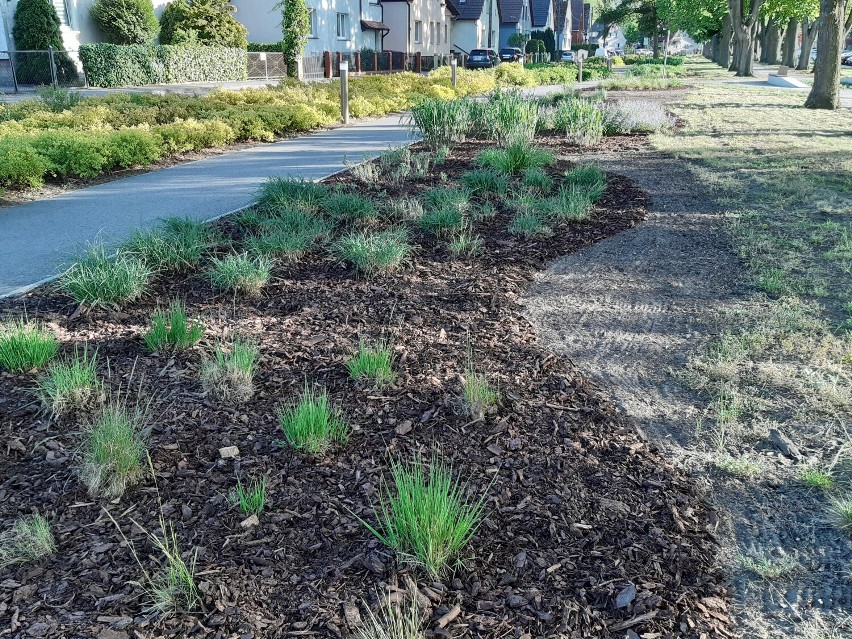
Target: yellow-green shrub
[(514, 74), (134, 147), (74, 153), (194, 135), (22, 165)]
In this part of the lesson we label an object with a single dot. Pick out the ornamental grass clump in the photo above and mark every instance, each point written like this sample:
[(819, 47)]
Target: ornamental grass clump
[(348, 206), (172, 329), (443, 123), (527, 223), (288, 235), (228, 373), (71, 384), (582, 121), (251, 498), (572, 203), (485, 182), (372, 361), (280, 193), (442, 220), (28, 539), (373, 252), (515, 158), (537, 179), (465, 243), (479, 394), (178, 243), (25, 346), (114, 449), (241, 273), (635, 116), (95, 279), (428, 517), (312, 424), (509, 118), (590, 177)]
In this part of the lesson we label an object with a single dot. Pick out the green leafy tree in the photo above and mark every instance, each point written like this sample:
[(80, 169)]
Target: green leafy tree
[(518, 40), (202, 22), (126, 21), (835, 23), (296, 25), (37, 29)]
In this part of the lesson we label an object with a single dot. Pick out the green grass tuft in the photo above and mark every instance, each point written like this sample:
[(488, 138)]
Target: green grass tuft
[(441, 220), (479, 394), (816, 478), (372, 361), (465, 243), (114, 449), (515, 158), (527, 223), (373, 252), (571, 203), (25, 346), (283, 194), (348, 206), (590, 178), (535, 178), (71, 384), (95, 279), (229, 372), (250, 499), (428, 517), (171, 329), (484, 182), (178, 243), (840, 513), (241, 273), (29, 539), (313, 424)]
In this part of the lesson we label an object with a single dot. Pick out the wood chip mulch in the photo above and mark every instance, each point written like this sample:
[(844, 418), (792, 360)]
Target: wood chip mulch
[(589, 531)]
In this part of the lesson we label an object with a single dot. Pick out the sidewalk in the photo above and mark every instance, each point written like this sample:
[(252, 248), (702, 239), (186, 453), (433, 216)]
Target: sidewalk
[(39, 239)]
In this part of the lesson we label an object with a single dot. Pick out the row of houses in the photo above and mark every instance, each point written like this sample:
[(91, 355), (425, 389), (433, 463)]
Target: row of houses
[(426, 26)]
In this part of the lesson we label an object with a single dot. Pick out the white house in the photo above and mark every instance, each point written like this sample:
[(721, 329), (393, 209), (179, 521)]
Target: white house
[(476, 24), (417, 26)]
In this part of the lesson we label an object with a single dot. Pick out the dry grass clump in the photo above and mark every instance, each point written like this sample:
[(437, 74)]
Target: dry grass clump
[(228, 373), (29, 539), (71, 384)]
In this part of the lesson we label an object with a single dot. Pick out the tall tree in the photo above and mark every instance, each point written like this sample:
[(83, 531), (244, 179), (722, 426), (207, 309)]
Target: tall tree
[(744, 24), (810, 24), (835, 21), (37, 29)]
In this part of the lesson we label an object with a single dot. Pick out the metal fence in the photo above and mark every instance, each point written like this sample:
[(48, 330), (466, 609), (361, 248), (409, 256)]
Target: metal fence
[(312, 67), (266, 66), (27, 70)]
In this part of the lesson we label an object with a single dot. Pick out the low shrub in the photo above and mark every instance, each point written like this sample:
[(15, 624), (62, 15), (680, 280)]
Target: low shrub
[(177, 243), (635, 116), (96, 279), (171, 329), (428, 518), (373, 252), (515, 158), (74, 153), (71, 384), (241, 273), (112, 65), (114, 449), (28, 539), (514, 74), (22, 164), (229, 372), (312, 423), (134, 147), (194, 135), (553, 73), (373, 361)]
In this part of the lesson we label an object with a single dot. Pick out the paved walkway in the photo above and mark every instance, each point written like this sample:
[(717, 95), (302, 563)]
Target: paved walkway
[(39, 239)]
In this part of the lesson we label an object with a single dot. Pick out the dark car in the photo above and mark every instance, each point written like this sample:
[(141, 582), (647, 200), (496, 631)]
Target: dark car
[(482, 59), (510, 54)]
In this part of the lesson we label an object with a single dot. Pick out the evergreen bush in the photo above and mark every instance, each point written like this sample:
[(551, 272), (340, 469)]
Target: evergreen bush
[(37, 29), (202, 22), (126, 21)]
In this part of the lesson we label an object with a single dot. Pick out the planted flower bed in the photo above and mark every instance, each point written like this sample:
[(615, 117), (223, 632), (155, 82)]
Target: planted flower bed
[(327, 415)]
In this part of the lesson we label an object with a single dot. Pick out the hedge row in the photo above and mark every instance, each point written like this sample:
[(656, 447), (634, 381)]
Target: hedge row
[(260, 47), (112, 65)]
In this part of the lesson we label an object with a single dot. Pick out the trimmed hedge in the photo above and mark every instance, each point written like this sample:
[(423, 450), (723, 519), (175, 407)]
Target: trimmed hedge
[(113, 65), (261, 47)]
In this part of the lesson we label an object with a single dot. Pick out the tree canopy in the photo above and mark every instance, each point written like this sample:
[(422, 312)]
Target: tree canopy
[(202, 22)]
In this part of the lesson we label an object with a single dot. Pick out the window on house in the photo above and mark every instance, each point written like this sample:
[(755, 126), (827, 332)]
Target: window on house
[(312, 18), (446, 34), (342, 26), (418, 32), (431, 33), (437, 33)]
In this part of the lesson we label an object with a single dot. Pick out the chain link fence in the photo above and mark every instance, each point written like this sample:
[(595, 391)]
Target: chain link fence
[(28, 70)]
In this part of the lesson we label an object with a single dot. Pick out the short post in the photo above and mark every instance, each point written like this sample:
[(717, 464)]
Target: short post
[(418, 62), (375, 62), (454, 65), (357, 62), (265, 65), (344, 91), (579, 67), (53, 78), (14, 73), (390, 61), (326, 63), (300, 69)]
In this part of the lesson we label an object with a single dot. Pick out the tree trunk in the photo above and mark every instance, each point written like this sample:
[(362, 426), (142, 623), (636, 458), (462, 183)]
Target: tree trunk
[(714, 48), (809, 31), (789, 48), (825, 93), (725, 43), (744, 26), (771, 42), (760, 42), (656, 36)]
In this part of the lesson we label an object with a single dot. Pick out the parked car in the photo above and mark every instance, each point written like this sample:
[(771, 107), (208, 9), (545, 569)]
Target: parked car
[(510, 54), (567, 56), (644, 52), (846, 58), (482, 59)]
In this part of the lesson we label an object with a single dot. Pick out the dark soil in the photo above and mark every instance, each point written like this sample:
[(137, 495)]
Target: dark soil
[(583, 514)]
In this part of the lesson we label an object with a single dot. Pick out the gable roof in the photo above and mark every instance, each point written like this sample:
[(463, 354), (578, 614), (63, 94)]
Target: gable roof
[(510, 11), (540, 10), (577, 15), (468, 10)]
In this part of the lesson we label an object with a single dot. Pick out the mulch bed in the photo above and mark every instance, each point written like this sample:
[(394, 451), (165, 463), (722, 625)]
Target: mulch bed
[(589, 531)]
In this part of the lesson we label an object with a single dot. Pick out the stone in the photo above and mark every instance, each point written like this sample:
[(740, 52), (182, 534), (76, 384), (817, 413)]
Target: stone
[(229, 452), (623, 599), (248, 522)]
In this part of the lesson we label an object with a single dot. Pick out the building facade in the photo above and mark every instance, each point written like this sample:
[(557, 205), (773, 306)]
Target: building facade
[(423, 26), (515, 17), (476, 25)]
